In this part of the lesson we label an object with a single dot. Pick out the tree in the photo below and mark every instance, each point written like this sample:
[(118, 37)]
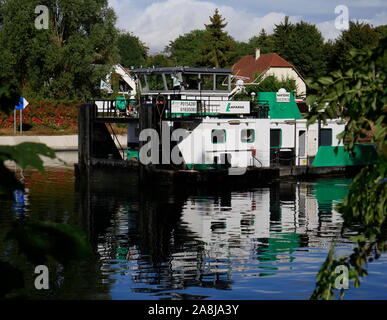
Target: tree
[(132, 50), (382, 31), (186, 50), (218, 44), (302, 45), (67, 59), (329, 53), (241, 49), (305, 50), (159, 60), (281, 36), (9, 86), (358, 36), (358, 93), (263, 41)]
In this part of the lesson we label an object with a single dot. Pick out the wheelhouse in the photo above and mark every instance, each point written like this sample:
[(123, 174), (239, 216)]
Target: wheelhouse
[(153, 81)]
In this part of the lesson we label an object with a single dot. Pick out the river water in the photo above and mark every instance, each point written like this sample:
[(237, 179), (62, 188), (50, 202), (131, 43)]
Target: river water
[(158, 243)]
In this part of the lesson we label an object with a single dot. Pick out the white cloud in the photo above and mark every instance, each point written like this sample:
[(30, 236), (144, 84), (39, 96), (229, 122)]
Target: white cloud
[(161, 22), (157, 23), (329, 30), (378, 19)]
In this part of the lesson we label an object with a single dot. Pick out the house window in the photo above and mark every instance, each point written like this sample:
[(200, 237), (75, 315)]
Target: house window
[(218, 136), (275, 138), (325, 137), (248, 135)]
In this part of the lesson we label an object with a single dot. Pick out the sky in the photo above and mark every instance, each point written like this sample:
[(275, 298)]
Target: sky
[(159, 22)]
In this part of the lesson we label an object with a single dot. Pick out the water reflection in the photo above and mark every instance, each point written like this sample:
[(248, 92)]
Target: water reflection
[(160, 243)]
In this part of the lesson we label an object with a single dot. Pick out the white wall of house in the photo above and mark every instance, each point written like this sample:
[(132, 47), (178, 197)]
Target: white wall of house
[(285, 72)]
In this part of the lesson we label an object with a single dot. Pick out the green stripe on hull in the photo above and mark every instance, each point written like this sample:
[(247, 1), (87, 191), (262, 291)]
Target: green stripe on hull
[(203, 166), (329, 156)]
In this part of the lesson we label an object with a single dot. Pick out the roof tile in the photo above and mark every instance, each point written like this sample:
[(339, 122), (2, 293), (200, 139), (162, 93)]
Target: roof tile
[(248, 65)]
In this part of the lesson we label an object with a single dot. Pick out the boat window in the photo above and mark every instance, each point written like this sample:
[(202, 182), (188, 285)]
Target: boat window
[(221, 82), (275, 138), (155, 82), (191, 81), (170, 81), (325, 137), (218, 136), (124, 87), (207, 82), (173, 81), (143, 82), (248, 135)]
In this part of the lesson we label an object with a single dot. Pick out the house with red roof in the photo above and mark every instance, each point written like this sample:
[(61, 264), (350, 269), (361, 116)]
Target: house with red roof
[(268, 64)]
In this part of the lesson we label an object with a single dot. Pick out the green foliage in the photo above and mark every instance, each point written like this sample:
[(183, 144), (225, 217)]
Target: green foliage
[(241, 49), (382, 31), (46, 113), (268, 84), (263, 41), (358, 36), (68, 59), (365, 206), (273, 84), (281, 37), (194, 49), (9, 86), (159, 60), (358, 93), (302, 45), (217, 44), (26, 154), (40, 241), (186, 49), (132, 50)]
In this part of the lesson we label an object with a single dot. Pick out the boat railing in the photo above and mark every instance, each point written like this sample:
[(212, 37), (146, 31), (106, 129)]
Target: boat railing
[(205, 107), (116, 108)]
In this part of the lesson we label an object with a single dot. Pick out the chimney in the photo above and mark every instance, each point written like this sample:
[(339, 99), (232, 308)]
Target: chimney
[(257, 53)]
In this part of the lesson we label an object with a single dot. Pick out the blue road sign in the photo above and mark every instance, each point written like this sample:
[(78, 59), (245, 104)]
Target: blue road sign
[(22, 104)]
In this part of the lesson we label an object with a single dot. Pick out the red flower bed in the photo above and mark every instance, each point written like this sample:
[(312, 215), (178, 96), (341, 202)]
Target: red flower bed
[(45, 113)]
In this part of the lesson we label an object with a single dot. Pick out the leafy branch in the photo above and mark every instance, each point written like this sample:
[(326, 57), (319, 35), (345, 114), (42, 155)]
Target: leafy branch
[(360, 98)]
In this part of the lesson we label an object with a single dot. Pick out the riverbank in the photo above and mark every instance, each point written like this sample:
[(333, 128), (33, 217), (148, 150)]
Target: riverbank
[(57, 143)]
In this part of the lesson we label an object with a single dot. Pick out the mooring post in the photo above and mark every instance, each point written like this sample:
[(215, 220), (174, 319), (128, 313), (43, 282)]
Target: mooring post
[(85, 125), (147, 120)]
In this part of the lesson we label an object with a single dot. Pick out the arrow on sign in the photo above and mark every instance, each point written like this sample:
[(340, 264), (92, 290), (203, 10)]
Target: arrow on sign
[(23, 103)]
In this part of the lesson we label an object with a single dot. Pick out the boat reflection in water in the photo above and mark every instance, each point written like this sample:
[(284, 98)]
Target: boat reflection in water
[(266, 242)]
